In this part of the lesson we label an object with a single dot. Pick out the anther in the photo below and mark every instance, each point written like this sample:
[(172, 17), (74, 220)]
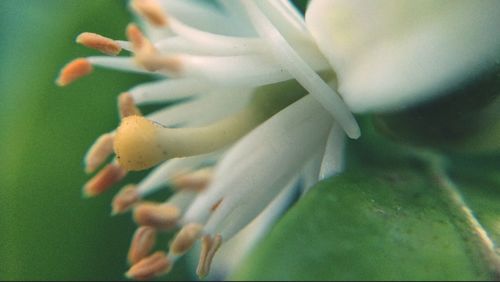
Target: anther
[(150, 267), (126, 106), (185, 239), (74, 70), (208, 249), (136, 37), (152, 11), (99, 152), (161, 216), (193, 181), (125, 199), (147, 56), (100, 43), (142, 243), (107, 177)]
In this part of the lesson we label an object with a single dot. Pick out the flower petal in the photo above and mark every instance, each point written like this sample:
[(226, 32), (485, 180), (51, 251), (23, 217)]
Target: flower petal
[(255, 164), (391, 54)]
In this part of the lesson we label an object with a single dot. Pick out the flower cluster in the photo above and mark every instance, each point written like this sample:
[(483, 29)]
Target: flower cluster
[(254, 117)]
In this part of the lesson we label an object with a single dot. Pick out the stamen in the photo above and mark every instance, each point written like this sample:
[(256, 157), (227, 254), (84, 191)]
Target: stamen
[(194, 45), (143, 241), (124, 200), (153, 266), (194, 181), (126, 106), (125, 45), (152, 11), (182, 200), (247, 70), (161, 175), (99, 152), (207, 108), (136, 37), (147, 56), (103, 180), (98, 42), (74, 70), (286, 18), (161, 216), (140, 143), (217, 44), (125, 64), (155, 92), (202, 14), (302, 72), (208, 249), (185, 239)]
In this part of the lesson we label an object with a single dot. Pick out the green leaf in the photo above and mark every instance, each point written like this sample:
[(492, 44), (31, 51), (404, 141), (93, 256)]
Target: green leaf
[(368, 224), (479, 180)]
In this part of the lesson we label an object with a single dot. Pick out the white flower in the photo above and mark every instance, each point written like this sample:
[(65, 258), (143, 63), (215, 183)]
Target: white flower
[(259, 119)]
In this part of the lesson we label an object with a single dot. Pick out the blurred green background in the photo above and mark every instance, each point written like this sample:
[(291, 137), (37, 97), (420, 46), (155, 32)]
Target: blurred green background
[(47, 231)]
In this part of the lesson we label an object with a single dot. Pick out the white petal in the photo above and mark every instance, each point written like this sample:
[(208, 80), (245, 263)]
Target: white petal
[(233, 252), (333, 159), (264, 161), (391, 54), (254, 204), (310, 172)]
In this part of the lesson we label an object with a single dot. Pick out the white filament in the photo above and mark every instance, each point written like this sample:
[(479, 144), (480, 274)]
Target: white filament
[(303, 73)]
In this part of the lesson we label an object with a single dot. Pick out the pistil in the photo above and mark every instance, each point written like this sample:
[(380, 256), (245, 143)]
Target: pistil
[(140, 143)]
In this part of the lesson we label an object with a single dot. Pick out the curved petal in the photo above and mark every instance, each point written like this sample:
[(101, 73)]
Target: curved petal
[(390, 54)]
